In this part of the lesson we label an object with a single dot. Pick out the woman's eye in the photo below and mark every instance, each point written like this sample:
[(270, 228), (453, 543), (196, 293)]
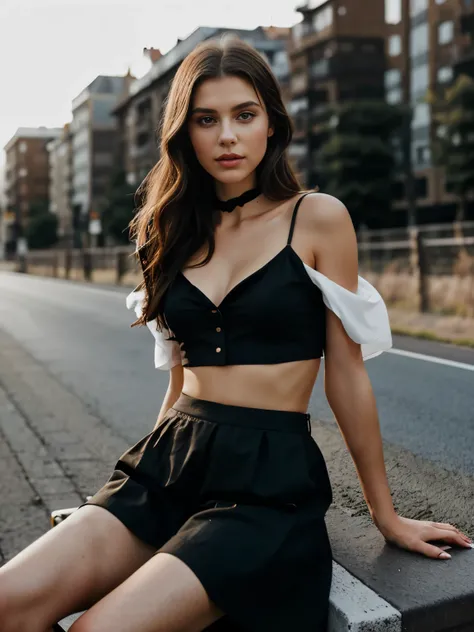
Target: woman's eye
[(206, 120)]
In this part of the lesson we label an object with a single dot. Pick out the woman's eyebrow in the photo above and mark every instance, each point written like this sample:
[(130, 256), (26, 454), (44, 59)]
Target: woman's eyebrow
[(246, 104)]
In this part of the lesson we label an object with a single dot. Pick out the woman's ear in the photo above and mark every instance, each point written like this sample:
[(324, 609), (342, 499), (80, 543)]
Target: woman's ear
[(271, 131)]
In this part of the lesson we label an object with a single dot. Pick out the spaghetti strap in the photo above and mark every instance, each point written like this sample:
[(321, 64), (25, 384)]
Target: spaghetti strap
[(293, 218)]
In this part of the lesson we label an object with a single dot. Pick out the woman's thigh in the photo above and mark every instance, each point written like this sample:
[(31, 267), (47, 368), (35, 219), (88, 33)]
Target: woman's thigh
[(164, 595), (69, 568)]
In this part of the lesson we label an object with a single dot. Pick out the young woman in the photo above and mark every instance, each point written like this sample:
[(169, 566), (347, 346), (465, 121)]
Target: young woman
[(216, 518)]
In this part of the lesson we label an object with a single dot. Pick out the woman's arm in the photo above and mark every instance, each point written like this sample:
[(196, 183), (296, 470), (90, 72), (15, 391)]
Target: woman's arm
[(349, 391), (175, 387), (347, 385)]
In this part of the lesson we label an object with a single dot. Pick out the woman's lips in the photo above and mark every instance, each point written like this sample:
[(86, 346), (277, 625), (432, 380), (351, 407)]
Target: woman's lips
[(230, 162)]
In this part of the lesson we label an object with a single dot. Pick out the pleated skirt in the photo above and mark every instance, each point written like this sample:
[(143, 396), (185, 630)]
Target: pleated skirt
[(238, 494)]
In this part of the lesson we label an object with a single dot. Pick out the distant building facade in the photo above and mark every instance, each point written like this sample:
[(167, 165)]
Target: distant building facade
[(94, 146), (60, 184), (336, 53), (430, 46), (26, 180)]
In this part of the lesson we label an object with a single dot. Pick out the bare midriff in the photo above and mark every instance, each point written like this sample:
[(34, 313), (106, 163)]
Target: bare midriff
[(286, 386)]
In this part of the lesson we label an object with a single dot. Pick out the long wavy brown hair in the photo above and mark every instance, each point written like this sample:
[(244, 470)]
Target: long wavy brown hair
[(176, 218)]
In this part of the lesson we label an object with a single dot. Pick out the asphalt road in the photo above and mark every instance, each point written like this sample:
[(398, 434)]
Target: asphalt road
[(81, 334)]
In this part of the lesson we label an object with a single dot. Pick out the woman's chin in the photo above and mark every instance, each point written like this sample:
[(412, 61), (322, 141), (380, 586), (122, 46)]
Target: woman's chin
[(236, 175)]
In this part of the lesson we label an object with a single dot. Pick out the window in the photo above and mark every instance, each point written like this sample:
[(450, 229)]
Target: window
[(445, 74), (440, 1), (394, 45), (23, 148), (418, 6), (394, 96), (393, 11), (297, 32), (101, 112), (298, 105), (346, 47), (419, 81), (23, 173), (392, 78), (421, 188), (421, 156), (446, 32), (323, 19), (342, 11), (419, 40), (299, 82), (319, 68), (421, 115)]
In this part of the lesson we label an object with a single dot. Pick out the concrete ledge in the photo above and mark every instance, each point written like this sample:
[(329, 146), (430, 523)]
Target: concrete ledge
[(430, 595), (356, 608)]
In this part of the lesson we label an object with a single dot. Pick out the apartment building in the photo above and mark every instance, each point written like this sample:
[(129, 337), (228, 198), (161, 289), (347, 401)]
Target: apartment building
[(430, 46), (336, 53), (139, 113), (95, 145), (60, 184), (464, 55), (339, 51), (26, 180)]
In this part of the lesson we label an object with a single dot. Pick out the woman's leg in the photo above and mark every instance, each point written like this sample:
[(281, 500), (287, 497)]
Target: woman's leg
[(68, 569), (164, 595)]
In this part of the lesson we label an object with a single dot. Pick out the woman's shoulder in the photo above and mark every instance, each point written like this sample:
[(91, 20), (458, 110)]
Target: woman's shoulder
[(325, 218)]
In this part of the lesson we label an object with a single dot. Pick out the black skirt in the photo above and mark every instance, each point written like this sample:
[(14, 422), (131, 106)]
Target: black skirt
[(238, 494)]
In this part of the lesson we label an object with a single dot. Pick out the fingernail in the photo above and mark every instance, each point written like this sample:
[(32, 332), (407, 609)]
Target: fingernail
[(444, 556)]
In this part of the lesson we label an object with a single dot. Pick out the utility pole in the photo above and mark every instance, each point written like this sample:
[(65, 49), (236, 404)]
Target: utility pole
[(410, 195)]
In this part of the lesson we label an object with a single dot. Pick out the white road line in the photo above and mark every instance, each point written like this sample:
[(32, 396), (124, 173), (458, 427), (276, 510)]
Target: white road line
[(436, 360)]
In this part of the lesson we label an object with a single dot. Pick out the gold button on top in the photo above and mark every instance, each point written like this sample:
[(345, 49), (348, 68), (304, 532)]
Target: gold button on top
[(214, 311), (218, 329), (218, 349)]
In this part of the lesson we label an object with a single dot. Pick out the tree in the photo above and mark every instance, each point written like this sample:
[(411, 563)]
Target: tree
[(453, 145), (119, 208), (357, 160), (42, 229)]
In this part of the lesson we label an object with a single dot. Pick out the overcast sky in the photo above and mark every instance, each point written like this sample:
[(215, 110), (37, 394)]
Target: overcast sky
[(51, 50)]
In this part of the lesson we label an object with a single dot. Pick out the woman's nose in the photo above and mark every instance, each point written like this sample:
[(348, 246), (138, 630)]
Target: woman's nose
[(227, 133)]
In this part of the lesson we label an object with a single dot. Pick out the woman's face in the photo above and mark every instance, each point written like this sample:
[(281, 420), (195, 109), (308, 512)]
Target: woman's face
[(226, 116)]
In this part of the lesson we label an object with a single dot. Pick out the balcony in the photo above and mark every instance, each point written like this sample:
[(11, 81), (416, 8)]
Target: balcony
[(464, 60), (467, 23), (299, 83)]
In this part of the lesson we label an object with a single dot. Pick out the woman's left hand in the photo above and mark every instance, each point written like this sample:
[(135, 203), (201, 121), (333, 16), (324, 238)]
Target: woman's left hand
[(413, 535)]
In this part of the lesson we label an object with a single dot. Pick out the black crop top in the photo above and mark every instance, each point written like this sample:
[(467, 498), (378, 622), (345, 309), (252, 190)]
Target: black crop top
[(276, 314), (273, 315)]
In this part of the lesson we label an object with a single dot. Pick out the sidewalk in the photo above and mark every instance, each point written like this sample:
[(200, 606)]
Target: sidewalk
[(53, 451)]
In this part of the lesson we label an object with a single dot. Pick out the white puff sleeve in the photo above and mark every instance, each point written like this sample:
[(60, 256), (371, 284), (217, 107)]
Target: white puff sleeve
[(362, 313), (167, 352)]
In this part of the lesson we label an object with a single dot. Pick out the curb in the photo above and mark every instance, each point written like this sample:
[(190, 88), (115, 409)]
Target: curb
[(354, 607)]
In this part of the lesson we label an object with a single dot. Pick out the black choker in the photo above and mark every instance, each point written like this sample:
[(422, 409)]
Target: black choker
[(228, 205)]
